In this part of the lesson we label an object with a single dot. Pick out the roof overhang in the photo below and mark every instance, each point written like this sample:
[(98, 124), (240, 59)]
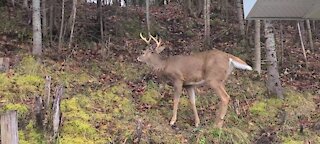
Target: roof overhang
[(281, 9)]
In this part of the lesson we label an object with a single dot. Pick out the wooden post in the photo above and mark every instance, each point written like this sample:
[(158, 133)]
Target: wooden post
[(9, 128)]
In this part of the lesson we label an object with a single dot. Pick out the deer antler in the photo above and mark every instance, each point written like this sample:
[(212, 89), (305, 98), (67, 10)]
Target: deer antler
[(145, 39), (158, 42)]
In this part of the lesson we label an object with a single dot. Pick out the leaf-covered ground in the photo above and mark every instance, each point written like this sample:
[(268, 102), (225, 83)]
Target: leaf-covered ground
[(107, 99)]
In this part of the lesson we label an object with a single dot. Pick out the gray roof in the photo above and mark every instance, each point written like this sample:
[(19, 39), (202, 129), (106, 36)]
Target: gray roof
[(281, 9)]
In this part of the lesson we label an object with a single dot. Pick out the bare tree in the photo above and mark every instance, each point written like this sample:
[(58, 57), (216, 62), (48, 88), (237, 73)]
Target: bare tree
[(310, 35), (51, 19), (273, 79), (74, 12), (61, 26), (148, 15), (207, 23), (240, 17), (302, 45), (99, 3), (44, 18), (25, 4), (257, 65), (36, 23)]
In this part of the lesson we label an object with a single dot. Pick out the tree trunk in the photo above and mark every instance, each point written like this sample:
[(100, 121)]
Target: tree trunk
[(9, 128), (38, 110), (310, 35), (207, 23), (240, 17), (273, 79), (257, 65), (74, 12), (61, 26), (36, 23), (302, 45), (282, 39), (122, 3), (44, 18), (100, 19), (148, 16), (51, 19), (25, 4), (56, 111), (199, 10)]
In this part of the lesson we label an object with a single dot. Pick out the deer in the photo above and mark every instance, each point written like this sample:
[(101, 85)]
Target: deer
[(211, 68)]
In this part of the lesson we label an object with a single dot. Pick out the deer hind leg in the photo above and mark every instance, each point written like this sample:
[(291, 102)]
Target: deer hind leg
[(177, 93), (223, 106), (192, 97)]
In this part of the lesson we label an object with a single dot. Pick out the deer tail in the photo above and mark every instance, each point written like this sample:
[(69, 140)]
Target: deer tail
[(238, 63)]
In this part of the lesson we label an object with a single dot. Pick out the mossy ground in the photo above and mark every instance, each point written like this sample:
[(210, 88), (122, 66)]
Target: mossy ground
[(105, 114)]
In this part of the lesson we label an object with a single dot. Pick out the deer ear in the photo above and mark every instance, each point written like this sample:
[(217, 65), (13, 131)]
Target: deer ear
[(160, 49)]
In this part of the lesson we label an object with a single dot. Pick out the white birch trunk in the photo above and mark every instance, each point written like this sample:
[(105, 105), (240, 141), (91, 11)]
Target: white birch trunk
[(148, 15), (240, 17), (257, 65), (273, 79), (122, 3), (302, 45), (74, 13), (44, 18), (36, 23), (61, 26), (25, 4), (310, 35), (207, 22)]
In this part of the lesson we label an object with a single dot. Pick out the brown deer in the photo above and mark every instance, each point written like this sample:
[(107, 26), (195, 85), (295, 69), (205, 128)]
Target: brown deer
[(188, 71)]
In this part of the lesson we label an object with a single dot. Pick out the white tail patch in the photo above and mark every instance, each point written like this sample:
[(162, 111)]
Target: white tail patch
[(239, 65)]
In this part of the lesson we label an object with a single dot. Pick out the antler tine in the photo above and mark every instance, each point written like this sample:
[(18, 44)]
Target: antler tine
[(145, 39), (158, 42)]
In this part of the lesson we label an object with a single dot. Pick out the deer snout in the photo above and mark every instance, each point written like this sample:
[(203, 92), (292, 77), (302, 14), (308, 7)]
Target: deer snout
[(139, 59)]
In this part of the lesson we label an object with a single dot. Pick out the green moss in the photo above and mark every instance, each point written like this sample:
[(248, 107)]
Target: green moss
[(5, 85), (73, 110), (4, 82), (128, 71), (29, 84), (90, 118), (114, 101), (21, 109), (79, 127), (259, 108), (31, 135), (298, 105), (291, 141), (22, 138), (227, 135), (29, 65), (150, 97), (266, 108), (68, 139)]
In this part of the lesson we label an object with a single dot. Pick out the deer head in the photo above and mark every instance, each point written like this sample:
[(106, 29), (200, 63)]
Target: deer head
[(151, 54)]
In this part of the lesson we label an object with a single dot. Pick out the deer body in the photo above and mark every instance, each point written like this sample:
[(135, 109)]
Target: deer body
[(187, 71)]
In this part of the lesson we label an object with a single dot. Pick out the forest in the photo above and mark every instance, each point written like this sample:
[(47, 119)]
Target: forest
[(91, 71)]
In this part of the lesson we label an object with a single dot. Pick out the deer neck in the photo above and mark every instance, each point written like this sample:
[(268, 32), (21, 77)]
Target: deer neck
[(157, 63)]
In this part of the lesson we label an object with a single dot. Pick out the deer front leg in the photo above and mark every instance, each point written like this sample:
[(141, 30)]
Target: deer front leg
[(177, 93), (192, 97), (223, 106)]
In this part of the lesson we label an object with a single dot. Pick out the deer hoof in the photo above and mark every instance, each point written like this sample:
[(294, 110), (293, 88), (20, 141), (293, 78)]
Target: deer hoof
[(172, 123), (196, 124)]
